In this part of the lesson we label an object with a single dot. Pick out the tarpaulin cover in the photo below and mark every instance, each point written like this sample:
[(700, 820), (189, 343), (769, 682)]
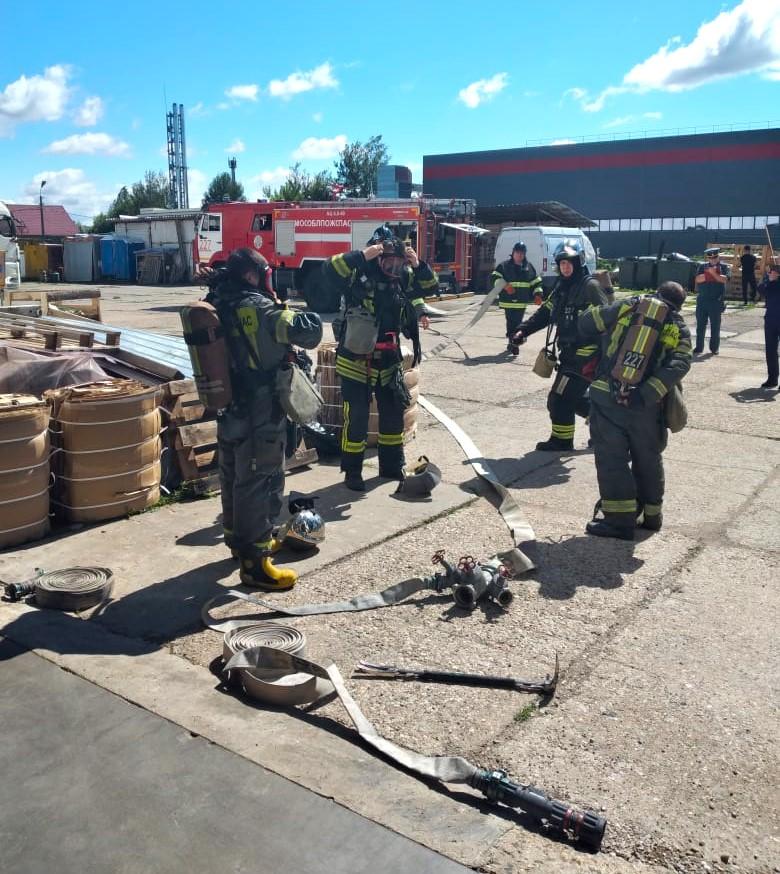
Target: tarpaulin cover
[(23, 372)]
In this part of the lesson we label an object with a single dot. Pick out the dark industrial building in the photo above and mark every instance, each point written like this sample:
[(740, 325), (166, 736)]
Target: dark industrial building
[(677, 192)]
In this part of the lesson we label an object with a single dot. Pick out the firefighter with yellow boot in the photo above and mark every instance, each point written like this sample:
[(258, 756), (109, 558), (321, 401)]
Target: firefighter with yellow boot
[(646, 351), (574, 292), (382, 288), (260, 332), (521, 284)]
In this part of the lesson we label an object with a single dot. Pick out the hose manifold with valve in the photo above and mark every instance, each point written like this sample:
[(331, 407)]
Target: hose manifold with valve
[(472, 581)]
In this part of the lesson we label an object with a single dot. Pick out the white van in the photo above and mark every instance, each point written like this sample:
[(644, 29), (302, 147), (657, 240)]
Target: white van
[(541, 243)]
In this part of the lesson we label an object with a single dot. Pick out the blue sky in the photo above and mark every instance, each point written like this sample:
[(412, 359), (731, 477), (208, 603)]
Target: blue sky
[(83, 87)]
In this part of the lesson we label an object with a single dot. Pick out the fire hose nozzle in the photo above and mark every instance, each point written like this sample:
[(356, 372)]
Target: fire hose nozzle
[(17, 591)]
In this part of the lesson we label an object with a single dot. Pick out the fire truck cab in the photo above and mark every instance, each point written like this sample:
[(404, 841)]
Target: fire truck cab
[(297, 238)]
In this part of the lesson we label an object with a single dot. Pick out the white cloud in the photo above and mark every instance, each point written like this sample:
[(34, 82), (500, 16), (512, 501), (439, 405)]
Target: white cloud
[(298, 82), (317, 117), (320, 149), (745, 39), (653, 115), (89, 113), (562, 142), (90, 144), (223, 106), (274, 178), (72, 189), (243, 92), (34, 98), (575, 93), (197, 183), (236, 146), (620, 122), (483, 90), (197, 110)]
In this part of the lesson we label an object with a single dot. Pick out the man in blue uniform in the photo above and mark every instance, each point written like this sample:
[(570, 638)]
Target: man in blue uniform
[(711, 279)]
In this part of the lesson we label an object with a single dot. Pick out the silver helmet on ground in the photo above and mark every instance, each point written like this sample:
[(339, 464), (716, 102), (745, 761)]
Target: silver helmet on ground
[(305, 529)]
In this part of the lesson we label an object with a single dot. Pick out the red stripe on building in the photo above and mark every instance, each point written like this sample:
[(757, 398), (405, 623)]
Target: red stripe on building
[(564, 163)]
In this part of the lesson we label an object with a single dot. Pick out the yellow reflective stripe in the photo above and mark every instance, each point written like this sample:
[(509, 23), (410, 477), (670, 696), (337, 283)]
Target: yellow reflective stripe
[(250, 324), (417, 301), (598, 321), (534, 282), (657, 385), (548, 304), (565, 432), (628, 506), (600, 385), (390, 439), (653, 509), (508, 305), (427, 283), (585, 351), (520, 284), (340, 266), (283, 325), (349, 446)]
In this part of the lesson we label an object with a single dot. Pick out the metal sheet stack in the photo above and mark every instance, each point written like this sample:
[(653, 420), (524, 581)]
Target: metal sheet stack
[(329, 384), (108, 449), (24, 469)]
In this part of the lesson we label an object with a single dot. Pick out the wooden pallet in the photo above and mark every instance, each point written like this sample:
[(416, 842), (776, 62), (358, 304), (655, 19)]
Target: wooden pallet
[(193, 439), (85, 301)]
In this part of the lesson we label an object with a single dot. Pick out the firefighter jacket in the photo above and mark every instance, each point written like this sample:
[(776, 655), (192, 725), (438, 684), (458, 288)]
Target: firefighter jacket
[(566, 302), (395, 304), (260, 332), (522, 281), (670, 356)]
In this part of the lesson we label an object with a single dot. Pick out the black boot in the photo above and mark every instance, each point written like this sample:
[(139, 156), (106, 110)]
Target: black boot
[(602, 528), (770, 383), (653, 522), (397, 474), (354, 481), (261, 573), (555, 444)]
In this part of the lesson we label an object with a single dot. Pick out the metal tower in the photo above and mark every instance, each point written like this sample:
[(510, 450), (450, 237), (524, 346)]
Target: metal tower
[(178, 197), (232, 164)]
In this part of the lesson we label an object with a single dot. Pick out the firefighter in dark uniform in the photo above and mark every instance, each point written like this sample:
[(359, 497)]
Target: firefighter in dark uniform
[(382, 287), (520, 285), (711, 280), (574, 292), (770, 291), (260, 331), (627, 425)]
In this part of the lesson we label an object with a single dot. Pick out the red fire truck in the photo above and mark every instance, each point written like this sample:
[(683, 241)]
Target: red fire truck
[(297, 237)]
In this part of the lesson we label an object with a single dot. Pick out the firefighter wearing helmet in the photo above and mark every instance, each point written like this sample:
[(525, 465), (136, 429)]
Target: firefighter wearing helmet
[(647, 351), (251, 432), (382, 289), (572, 294), (519, 284)]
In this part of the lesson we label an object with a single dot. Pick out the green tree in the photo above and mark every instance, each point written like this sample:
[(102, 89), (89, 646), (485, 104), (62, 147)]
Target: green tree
[(151, 191), (222, 186), (357, 166), (299, 185)]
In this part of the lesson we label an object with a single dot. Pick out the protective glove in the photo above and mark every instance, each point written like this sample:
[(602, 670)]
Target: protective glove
[(509, 289), (519, 338)]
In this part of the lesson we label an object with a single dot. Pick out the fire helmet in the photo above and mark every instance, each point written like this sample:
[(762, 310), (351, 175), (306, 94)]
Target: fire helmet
[(241, 261), (570, 250), (421, 480), (305, 529), (393, 258), (672, 293), (520, 246)]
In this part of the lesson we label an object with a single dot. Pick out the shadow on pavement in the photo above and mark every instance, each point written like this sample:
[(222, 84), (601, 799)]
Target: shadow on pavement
[(573, 562), (754, 395)]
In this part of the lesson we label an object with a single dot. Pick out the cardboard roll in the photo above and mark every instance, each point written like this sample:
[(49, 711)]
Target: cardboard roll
[(110, 495), (77, 436), (22, 417), (25, 519), (104, 401), (113, 459), (23, 452), (23, 483)]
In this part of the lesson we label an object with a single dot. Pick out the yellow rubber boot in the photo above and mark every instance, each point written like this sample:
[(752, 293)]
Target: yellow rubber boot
[(263, 574)]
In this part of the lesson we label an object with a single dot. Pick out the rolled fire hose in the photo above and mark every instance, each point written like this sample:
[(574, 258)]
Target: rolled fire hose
[(70, 589), (273, 685)]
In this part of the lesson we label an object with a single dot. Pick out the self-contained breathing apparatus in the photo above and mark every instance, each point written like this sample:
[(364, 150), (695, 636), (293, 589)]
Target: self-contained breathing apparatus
[(638, 347)]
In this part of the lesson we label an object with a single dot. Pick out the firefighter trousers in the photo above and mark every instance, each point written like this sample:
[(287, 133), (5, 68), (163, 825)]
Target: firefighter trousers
[(514, 318), (627, 446), (708, 310), (356, 400), (251, 442), (567, 398)]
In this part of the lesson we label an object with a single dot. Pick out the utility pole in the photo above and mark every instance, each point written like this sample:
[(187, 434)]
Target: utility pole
[(40, 204)]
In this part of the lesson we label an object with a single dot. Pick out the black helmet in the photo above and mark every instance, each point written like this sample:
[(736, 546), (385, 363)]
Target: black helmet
[(672, 293), (242, 260), (570, 250), (393, 258), (520, 246)]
